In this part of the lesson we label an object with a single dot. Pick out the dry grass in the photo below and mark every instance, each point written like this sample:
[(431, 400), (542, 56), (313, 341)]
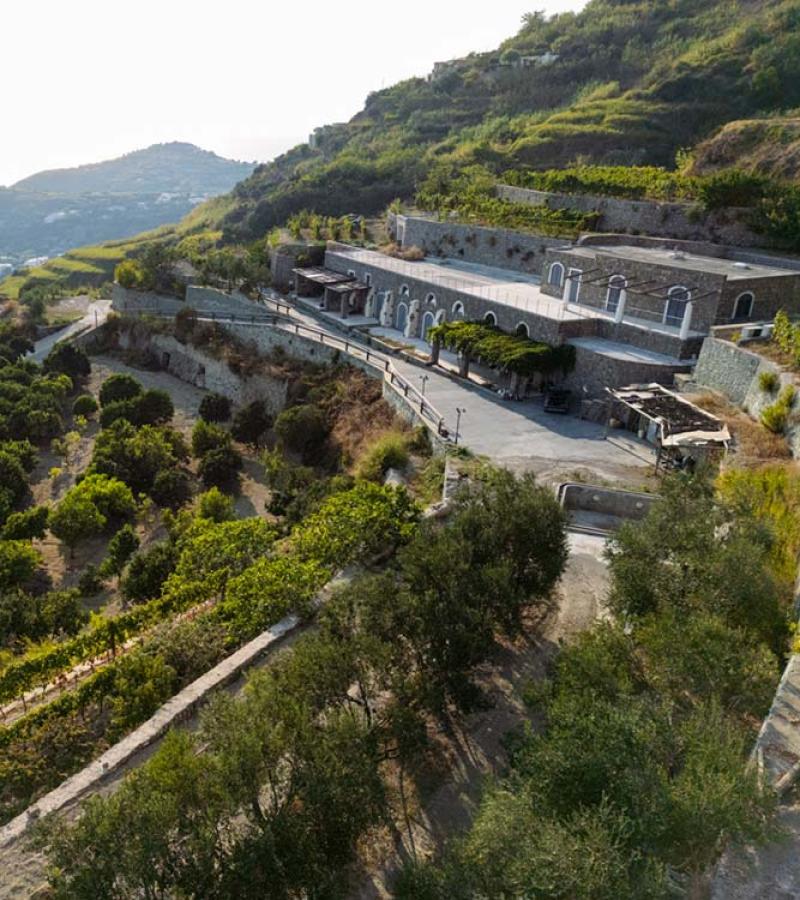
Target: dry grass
[(753, 443), (409, 254)]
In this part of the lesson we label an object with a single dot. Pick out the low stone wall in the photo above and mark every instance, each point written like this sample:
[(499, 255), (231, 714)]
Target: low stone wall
[(204, 299), (669, 220), (496, 247), (177, 709), (125, 300), (594, 372)]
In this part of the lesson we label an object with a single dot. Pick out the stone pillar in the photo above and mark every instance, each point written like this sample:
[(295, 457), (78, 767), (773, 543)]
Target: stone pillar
[(687, 321), (387, 310), (412, 323), (514, 386), (463, 364), (345, 301), (620, 313)]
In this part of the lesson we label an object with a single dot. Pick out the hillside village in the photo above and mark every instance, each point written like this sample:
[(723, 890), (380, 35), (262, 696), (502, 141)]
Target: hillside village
[(421, 519)]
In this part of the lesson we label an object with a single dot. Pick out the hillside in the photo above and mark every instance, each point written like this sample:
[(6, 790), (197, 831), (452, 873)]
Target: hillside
[(618, 83), (770, 146), (172, 168), (51, 212)]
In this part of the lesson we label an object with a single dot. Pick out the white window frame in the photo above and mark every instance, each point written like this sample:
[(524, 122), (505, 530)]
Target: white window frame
[(573, 277), (752, 297), (675, 289), (613, 284), (560, 282)]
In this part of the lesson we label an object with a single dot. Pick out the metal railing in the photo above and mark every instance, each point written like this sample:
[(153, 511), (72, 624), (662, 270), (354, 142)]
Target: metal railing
[(285, 322)]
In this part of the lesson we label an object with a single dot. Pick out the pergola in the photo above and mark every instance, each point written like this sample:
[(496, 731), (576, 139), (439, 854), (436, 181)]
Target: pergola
[(338, 291), (668, 421)]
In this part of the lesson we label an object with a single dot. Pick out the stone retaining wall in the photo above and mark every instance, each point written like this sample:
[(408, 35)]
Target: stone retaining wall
[(174, 711), (670, 220), (734, 371), (498, 247)]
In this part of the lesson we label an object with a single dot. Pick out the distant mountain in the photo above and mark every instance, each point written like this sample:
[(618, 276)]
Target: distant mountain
[(162, 168), (53, 211)]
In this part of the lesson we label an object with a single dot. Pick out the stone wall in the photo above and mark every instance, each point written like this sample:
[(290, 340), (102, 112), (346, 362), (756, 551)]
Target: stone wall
[(496, 247), (195, 367), (203, 299), (595, 371), (734, 372), (605, 501), (124, 300), (670, 220)]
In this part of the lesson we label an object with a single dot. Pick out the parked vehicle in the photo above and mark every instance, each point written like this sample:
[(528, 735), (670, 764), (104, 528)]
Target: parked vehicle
[(557, 400)]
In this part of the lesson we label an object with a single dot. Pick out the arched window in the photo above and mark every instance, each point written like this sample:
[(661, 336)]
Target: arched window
[(677, 298), (439, 317), (616, 285), (351, 273), (368, 279), (744, 306), (555, 277), (458, 310), (404, 291), (490, 318), (522, 330), (401, 317), (431, 298)]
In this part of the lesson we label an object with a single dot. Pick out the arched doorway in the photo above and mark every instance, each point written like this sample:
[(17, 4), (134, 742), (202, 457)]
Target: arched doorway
[(675, 308), (428, 322), (555, 275), (744, 306), (616, 285), (458, 310), (490, 319), (401, 317), (522, 330)]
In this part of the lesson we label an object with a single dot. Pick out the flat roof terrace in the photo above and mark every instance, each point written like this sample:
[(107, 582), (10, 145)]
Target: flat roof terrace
[(501, 286), (733, 270), (508, 288)]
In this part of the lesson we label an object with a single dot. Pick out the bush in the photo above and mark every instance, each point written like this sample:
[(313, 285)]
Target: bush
[(85, 405), (68, 360), (214, 505), (119, 387), (768, 381), (18, 561), (776, 417), (251, 422), (147, 572), (91, 581), (206, 436), (215, 408), (119, 409), (220, 467), (389, 452), (172, 488), (24, 526), (302, 429), (153, 407)]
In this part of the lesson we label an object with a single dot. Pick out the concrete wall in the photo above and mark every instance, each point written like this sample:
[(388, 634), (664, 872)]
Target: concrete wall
[(606, 501), (671, 220), (496, 247)]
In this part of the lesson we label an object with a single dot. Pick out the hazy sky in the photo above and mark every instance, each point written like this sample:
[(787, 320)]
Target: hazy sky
[(85, 80)]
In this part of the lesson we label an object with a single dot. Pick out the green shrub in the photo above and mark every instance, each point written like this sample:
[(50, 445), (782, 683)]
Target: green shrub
[(214, 505), (251, 422), (302, 429), (389, 452), (215, 408), (206, 436), (172, 488), (119, 387), (768, 381), (220, 467), (24, 526), (85, 405)]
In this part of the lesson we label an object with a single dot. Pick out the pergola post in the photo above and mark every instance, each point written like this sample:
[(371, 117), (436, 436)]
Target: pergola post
[(686, 322), (436, 346), (618, 315), (463, 364)]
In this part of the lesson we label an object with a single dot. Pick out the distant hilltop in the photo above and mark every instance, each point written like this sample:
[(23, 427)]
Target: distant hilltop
[(54, 211), (176, 167)]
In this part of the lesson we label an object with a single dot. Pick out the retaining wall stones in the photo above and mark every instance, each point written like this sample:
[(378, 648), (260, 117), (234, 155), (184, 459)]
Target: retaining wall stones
[(734, 371), (174, 711), (496, 247), (670, 220)]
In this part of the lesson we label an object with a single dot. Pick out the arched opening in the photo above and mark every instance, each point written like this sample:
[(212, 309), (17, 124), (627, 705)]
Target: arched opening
[(522, 330), (351, 273), (677, 298), (555, 276), (574, 285), (431, 299), (744, 306), (458, 310), (439, 317), (490, 319), (616, 285), (404, 291), (427, 323), (368, 279), (401, 317)]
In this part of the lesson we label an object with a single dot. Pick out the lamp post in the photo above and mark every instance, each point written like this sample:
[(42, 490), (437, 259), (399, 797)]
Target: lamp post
[(459, 412), (424, 380)]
